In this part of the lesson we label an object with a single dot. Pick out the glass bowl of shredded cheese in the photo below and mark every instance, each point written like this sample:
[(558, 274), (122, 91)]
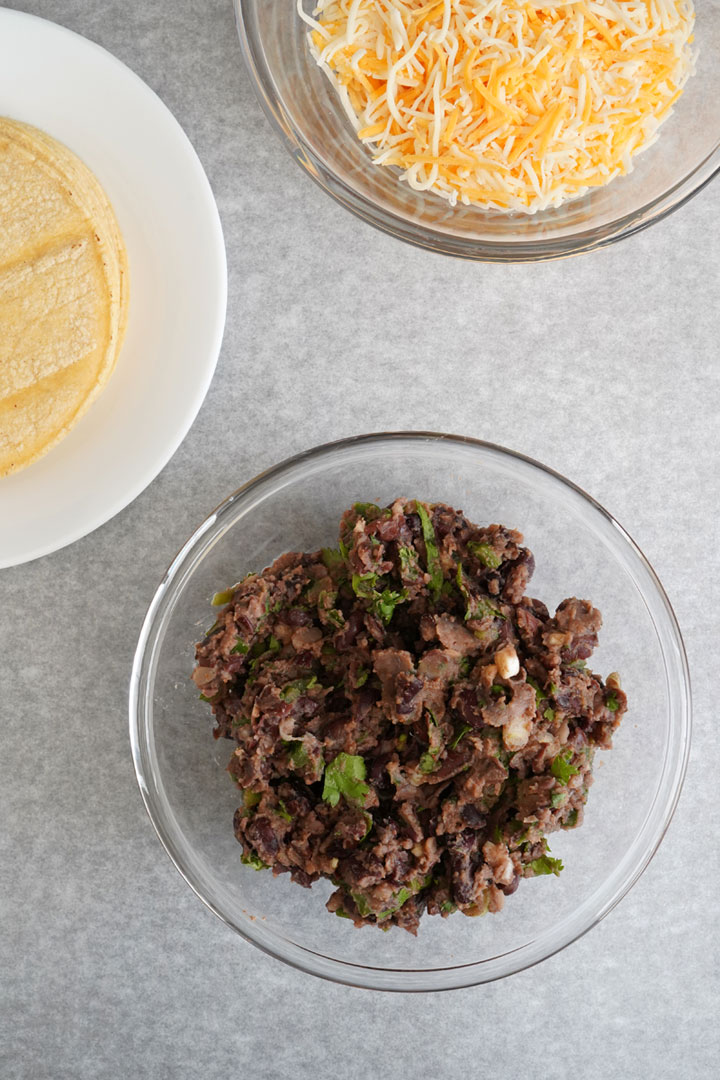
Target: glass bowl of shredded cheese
[(579, 551), (496, 130)]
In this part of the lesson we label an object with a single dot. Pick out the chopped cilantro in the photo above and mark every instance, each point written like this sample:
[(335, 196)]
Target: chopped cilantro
[(333, 558), (370, 511), (385, 603), (222, 598), (427, 763), (342, 914), (571, 820), (485, 554), (335, 617), (612, 702), (558, 798), (240, 647), (546, 865), (402, 740), (203, 698), (283, 811), (343, 549), (293, 690), (255, 861), (561, 768), (549, 715), (362, 677), (476, 607), (447, 907), (409, 564), (345, 776), (497, 690), (432, 554), (250, 798), (364, 585), (540, 694), (299, 755), (460, 735), (578, 665), (401, 897)]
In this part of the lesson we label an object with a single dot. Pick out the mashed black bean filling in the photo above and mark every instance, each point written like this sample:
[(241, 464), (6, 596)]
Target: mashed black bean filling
[(408, 722)]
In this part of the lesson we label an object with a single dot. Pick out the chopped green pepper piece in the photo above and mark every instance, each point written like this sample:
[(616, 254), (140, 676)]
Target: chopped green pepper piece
[(255, 861), (485, 554), (222, 598)]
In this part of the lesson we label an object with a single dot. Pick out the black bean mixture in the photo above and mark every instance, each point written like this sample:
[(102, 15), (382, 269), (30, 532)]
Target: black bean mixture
[(408, 723)]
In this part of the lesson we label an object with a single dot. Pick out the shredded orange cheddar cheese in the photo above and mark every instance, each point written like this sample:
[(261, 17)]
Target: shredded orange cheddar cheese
[(505, 104)]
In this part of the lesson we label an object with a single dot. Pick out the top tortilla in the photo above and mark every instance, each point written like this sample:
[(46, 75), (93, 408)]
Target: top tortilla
[(63, 292)]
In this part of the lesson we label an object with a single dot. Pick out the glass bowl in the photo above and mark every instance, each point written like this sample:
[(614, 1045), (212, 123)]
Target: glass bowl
[(579, 550), (304, 108)]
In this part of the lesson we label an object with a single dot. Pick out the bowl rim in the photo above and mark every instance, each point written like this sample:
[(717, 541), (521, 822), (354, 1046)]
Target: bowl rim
[(385, 221), (392, 979)]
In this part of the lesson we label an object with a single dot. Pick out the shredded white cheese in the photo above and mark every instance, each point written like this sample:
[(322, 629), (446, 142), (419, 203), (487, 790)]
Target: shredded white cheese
[(505, 104)]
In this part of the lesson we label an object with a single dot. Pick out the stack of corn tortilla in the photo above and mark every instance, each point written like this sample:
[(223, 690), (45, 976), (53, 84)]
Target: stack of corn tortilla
[(63, 292)]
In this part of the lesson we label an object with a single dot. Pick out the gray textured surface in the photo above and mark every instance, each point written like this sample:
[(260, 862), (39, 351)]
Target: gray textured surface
[(606, 368)]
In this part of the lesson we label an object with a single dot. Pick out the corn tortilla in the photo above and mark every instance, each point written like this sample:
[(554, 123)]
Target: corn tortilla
[(63, 292)]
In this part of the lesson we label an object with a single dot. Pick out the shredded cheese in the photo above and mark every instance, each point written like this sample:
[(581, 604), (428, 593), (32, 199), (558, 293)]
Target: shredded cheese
[(505, 104)]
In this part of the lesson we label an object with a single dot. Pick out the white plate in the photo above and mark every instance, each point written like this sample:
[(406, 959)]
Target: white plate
[(83, 96)]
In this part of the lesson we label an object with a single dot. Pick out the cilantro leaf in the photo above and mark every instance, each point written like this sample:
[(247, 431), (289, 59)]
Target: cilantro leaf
[(562, 769), (432, 553), (364, 585), (546, 865), (333, 558), (362, 677), (299, 755), (571, 820), (293, 690), (612, 701), (283, 811), (385, 603), (370, 511), (409, 563), (345, 776), (485, 554), (240, 647), (476, 607), (460, 735)]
